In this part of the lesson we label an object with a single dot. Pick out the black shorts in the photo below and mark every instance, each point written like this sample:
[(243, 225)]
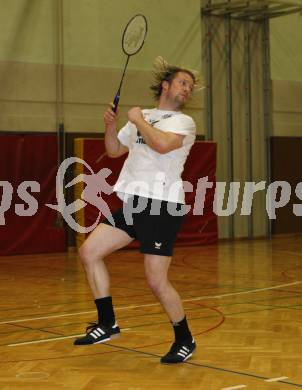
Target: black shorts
[(154, 226)]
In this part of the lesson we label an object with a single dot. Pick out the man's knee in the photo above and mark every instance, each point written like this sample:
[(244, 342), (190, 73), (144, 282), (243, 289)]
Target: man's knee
[(84, 254), (157, 283), (88, 254)]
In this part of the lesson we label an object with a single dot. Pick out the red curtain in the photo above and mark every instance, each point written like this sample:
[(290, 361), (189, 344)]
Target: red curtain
[(201, 163), (30, 158), (197, 229)]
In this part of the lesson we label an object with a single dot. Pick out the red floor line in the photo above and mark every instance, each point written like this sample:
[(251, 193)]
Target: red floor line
[(195, 334)]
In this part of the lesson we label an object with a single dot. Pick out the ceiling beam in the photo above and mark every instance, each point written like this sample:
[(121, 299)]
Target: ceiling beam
[(252, 9)]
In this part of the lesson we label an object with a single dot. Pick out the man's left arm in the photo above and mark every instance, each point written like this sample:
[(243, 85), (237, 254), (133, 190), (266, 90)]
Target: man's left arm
[(160, 141)]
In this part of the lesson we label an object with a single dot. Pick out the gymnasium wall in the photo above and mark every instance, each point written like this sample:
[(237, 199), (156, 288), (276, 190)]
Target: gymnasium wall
[(233, 150), (286, 140), (286, 73), (230, 106), (92, 56), (286, 43), (93, 62)]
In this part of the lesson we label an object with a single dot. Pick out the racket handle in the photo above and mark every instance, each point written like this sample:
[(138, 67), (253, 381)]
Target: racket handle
[(115, 102)]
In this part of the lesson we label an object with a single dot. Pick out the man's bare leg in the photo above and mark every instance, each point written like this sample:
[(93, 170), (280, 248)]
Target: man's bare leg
[(156, 268), (101, 242)]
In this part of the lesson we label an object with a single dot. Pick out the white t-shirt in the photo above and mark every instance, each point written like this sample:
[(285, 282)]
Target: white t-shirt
[(151, 174)]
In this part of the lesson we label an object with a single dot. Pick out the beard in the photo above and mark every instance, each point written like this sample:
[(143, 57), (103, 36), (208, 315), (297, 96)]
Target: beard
[(178, 100)]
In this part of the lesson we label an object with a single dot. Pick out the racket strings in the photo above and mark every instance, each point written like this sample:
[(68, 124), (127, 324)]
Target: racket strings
[(133, 40), (134, 35)]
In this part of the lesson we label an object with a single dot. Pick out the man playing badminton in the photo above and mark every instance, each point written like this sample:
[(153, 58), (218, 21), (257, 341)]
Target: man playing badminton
[(158, 141)]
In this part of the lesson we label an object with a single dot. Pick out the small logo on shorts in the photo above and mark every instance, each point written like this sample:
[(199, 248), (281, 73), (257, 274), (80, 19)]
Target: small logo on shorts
[(157, 245)]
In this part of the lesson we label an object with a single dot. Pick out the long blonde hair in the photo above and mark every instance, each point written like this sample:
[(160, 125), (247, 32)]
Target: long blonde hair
[(165, 72)]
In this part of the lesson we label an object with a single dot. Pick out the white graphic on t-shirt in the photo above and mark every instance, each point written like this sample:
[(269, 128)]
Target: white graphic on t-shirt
[(152, 122)]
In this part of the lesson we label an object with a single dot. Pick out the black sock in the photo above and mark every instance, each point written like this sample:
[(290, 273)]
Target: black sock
[(105, 311), (181, 331)]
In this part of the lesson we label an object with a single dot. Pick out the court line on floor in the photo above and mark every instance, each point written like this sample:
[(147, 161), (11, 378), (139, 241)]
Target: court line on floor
[(154, 304), (192, 363), (253, 302), (64, 303), (120, 348), (61, 337), (123, 329), (190, 309), (281, 378)]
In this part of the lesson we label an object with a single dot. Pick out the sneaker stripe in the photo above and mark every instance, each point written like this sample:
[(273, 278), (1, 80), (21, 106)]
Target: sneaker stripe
[(179, 353), (102, 341), (96, 334), (188, 357)]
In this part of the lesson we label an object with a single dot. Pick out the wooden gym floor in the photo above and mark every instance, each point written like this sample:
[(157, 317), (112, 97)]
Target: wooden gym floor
[(243, 300)]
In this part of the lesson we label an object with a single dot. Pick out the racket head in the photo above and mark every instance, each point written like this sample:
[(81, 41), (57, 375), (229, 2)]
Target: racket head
[(134, 34)]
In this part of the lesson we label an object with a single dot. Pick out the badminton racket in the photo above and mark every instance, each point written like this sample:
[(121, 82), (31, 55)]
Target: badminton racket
[(133, 40)]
